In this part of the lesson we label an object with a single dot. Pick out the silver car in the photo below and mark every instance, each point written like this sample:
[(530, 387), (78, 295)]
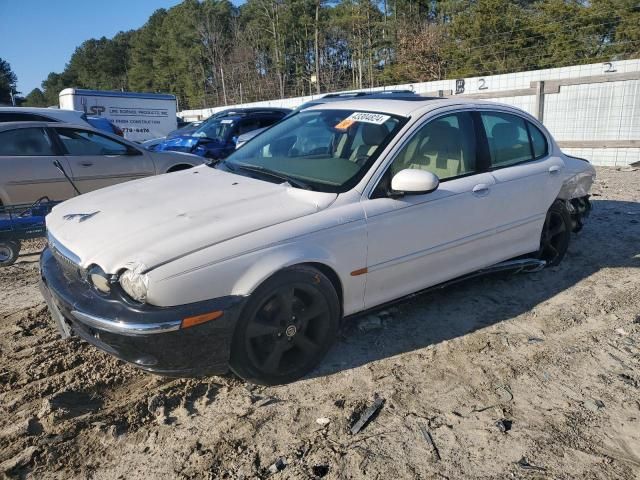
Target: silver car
[(91, 158), (38, 114)]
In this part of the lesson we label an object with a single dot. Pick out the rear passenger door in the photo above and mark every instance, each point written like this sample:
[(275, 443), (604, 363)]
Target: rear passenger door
[(98, 161), (26, 167), (527, 179)]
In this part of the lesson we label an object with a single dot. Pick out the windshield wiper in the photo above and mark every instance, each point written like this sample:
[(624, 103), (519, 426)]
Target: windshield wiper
[(294, 182)]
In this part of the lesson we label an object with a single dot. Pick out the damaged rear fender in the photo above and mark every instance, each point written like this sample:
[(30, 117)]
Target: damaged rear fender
[(579, 179)]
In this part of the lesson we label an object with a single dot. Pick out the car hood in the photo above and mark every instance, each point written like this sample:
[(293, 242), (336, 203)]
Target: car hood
[(158, 219), (182, 142)]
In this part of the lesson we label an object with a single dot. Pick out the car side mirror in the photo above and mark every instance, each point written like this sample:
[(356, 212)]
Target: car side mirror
[(412, 181)]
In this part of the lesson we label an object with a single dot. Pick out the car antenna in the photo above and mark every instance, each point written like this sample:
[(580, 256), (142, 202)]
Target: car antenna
[(58, 165)]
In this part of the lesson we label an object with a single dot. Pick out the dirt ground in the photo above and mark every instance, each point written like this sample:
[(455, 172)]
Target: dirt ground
[(524, 376)]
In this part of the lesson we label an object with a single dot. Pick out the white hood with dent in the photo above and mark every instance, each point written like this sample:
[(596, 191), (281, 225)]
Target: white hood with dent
[(157, 219)]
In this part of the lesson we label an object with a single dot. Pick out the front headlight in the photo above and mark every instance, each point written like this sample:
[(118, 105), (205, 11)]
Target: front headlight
[(99, 279), (135, 284)]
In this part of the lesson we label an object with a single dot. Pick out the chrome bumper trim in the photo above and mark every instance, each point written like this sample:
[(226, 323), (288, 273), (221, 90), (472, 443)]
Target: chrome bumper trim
[(126, 328)]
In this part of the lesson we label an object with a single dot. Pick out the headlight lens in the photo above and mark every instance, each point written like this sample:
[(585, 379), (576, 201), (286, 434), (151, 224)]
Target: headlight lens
[(135, 284), (99, 279)]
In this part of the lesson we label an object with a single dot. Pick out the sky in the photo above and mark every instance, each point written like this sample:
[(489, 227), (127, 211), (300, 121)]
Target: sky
[(39, 36)]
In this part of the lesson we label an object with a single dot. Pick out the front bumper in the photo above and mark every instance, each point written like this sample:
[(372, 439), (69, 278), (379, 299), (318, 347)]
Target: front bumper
[(149, 337)]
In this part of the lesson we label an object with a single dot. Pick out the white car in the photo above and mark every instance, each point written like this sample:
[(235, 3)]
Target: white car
[(253, 263)]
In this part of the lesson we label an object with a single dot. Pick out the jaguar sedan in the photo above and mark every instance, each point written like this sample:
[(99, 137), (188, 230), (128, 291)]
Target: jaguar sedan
[(254, 262)]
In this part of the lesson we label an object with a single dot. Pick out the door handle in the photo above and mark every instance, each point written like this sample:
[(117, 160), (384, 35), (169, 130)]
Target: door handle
[(553, 169), (86, 164), (481, 190)]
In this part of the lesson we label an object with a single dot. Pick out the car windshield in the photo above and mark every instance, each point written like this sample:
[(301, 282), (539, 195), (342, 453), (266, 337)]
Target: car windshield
[(215, 129), (326, 150)]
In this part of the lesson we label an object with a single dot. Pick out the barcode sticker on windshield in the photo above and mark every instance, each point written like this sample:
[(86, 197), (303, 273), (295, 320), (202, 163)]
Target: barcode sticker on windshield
[(366, 117)]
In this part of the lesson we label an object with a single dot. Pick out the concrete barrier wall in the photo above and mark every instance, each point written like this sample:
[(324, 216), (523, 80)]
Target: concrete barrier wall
[(593, 111)]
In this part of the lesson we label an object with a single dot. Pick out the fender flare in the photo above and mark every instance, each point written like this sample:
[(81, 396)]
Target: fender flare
[(273, 262)]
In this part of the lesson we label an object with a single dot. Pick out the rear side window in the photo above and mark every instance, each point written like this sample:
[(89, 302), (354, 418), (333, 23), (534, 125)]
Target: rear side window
[(508, 139), (25, 142), (538, 141), (23, 117)]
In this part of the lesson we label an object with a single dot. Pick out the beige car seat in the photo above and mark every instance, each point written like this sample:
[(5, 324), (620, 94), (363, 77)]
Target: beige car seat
[(372, 136), (438, 151)]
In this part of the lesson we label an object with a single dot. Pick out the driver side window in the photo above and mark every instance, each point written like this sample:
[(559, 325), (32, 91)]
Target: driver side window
[(446, 147)]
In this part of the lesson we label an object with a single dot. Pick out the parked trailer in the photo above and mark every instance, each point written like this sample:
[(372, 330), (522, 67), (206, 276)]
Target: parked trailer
[(141, 116)]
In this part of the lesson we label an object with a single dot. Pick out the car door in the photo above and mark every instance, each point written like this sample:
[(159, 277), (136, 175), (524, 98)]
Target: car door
[(98, 161), (416, 241), (26, 163), (527, 179)]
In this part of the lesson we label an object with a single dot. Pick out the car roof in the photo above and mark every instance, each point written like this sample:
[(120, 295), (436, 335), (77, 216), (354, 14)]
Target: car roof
[(240, 112), (361, 93), (390, 95), (84, 126), (43, 124), (41, 110), (401, 107)]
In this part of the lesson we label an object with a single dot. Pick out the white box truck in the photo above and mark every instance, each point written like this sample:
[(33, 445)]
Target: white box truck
[(141, 116)]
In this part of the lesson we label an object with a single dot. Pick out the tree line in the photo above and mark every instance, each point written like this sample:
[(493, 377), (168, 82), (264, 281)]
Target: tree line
[(212, 53)]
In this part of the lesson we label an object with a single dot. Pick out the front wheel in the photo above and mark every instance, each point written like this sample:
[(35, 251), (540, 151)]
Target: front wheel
[(286, 328), (9, 251), (556, 234)]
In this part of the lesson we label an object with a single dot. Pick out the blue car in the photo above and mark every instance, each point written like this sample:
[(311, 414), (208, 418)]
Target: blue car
[(216, 138)]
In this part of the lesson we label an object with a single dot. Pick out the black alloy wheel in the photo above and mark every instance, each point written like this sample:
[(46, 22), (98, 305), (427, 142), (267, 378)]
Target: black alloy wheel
[(556, 234), (286, 328)]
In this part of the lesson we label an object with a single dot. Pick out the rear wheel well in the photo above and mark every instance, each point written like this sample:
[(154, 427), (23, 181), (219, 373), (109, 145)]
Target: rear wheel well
[(333, 278), (180, 166)]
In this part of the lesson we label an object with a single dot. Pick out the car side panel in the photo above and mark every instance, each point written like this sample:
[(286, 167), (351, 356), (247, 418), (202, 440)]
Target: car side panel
[(164, 161), (25, 179), (91, 172), (420, 240), (525, 193), (335, 237)]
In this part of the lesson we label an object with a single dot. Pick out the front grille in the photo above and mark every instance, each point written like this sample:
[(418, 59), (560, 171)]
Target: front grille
[(70, 268)]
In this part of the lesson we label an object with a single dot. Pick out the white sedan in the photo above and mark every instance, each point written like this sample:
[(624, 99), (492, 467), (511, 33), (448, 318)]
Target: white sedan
[(254, 262)]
